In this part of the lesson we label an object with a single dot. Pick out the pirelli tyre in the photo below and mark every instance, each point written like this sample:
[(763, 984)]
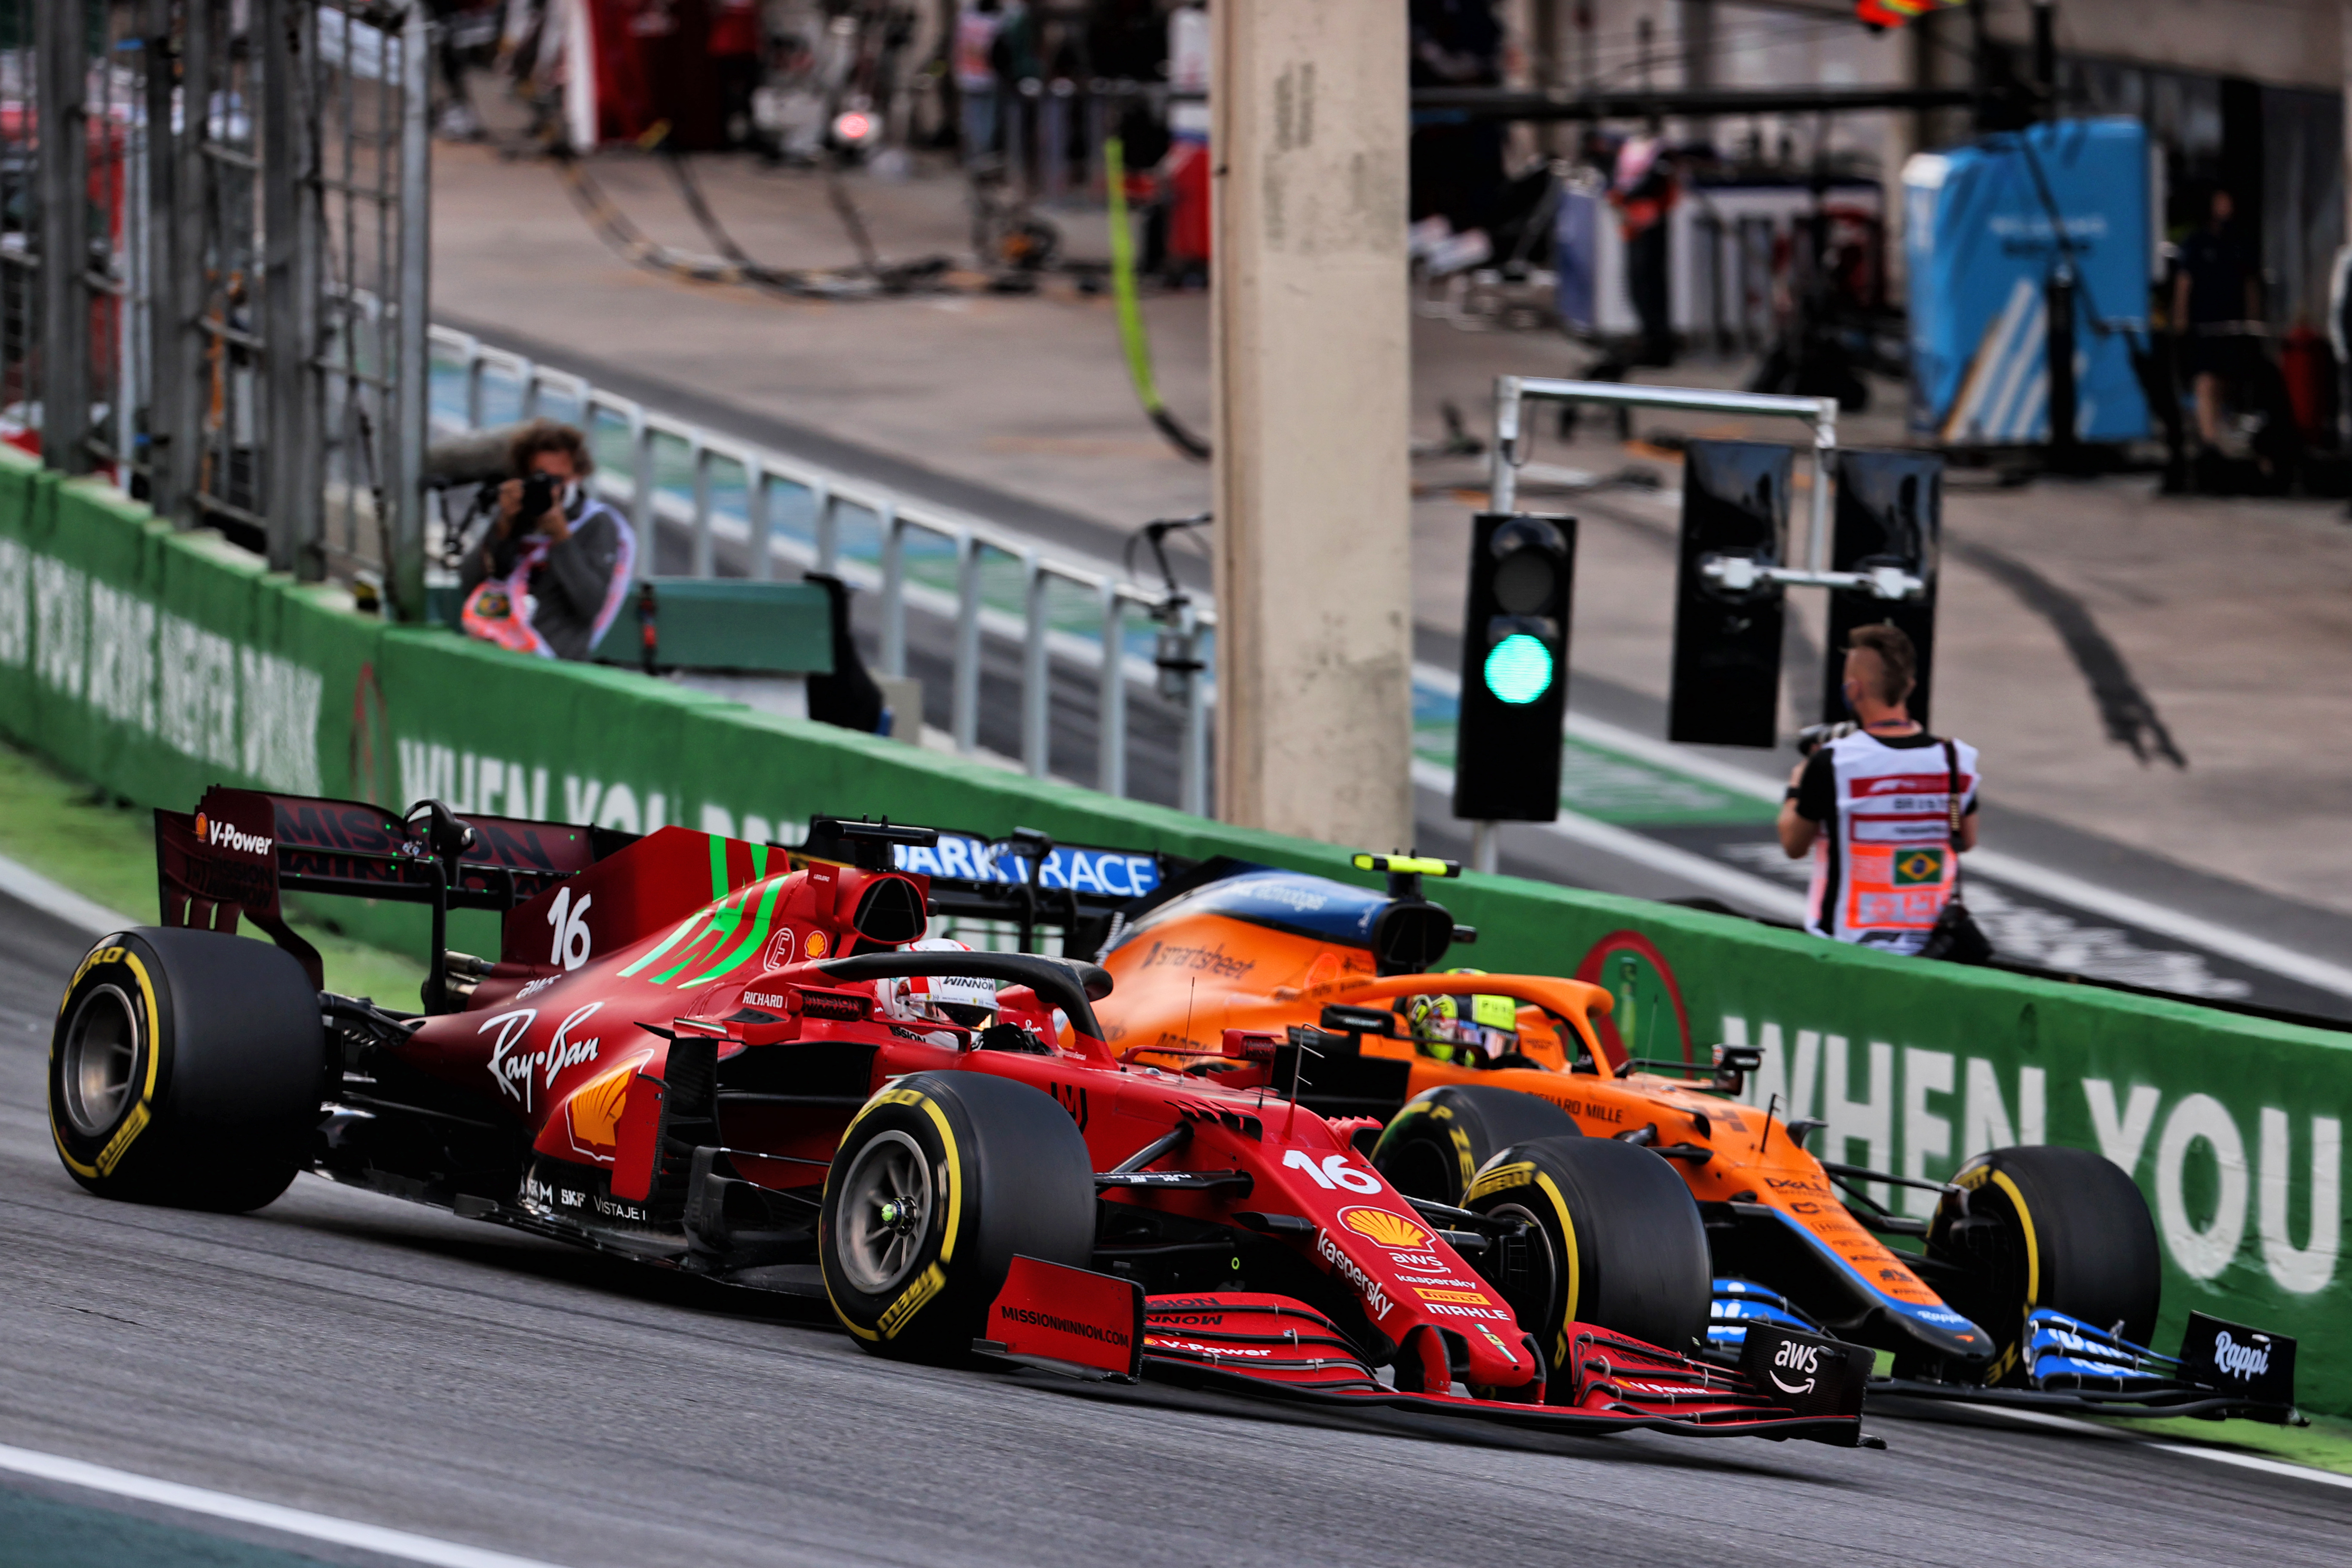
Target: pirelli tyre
[(2043, 1227), (941, 1181), (1613, 1240), (1432, 1147), (186, 1067)]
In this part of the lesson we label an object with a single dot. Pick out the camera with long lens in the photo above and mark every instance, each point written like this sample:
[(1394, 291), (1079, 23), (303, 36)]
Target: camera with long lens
[(537, 496), (1812, 737)]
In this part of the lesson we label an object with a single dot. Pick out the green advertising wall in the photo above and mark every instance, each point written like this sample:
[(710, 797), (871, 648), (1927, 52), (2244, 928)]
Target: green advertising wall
[(157, 664)]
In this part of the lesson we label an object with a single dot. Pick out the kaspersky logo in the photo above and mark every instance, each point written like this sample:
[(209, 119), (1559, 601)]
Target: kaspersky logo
[(225, 836)]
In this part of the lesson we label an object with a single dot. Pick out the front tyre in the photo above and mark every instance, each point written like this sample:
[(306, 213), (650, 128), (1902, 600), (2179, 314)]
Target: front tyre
[(1613, 1240), (186, 1069), (942, 1179), (2047, 1226), (1433, 1147)]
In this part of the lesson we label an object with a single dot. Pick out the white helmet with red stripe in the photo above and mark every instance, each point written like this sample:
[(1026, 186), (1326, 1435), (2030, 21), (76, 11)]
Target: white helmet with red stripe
[(961, 999)]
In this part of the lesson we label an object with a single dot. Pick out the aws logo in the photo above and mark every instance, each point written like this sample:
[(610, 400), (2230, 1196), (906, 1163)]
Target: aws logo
[(1391, 1230), (1799, 1361)]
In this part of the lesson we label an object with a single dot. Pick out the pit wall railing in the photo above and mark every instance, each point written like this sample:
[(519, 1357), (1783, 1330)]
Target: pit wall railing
[(764, 508), (154, 664)]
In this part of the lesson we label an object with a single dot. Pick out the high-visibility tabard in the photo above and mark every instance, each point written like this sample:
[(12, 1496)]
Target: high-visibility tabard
[(1885, 862)]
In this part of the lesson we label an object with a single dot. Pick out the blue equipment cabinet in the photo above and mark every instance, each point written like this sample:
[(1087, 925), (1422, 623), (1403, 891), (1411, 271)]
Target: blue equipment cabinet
[(1981, 247)]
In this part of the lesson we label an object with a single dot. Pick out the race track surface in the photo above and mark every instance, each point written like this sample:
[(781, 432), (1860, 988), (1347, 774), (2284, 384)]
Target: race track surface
[(361, 1358)]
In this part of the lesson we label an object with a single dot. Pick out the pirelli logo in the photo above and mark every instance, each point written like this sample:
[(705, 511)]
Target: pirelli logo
[(1458, 1298), (895, 1316)]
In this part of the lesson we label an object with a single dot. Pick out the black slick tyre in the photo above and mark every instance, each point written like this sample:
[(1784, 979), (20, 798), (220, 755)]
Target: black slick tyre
[(1614, 1241), (1434, 1146), (2045, 1226), (186, 1067), (939, 1181)]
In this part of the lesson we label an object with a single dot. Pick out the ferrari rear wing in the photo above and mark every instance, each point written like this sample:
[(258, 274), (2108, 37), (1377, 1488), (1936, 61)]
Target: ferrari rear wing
[(240, 849), (1025, 879)]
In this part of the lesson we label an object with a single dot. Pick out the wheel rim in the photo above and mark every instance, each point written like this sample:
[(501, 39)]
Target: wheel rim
[(102, 1061), (884, 1215), (1533, 1294)]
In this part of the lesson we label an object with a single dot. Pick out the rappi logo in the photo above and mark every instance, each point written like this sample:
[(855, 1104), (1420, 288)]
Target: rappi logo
[(2245, 1363), (227, 835)]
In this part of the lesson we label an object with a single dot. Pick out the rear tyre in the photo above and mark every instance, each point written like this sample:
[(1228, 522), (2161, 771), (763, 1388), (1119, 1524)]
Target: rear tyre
[(1436, 1144), (1614, 1241), (186, 1067), (939, 1181), (2063, 1228)]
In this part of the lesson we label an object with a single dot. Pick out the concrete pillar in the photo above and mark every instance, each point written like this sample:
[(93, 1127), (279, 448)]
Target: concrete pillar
[(2343, 50), (1310, 356)]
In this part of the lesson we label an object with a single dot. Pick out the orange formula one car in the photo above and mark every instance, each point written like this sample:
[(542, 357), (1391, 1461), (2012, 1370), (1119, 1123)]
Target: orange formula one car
[(2036, 1281), (701, 1054)]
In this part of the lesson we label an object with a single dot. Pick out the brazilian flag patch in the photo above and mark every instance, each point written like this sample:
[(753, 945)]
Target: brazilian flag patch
[(1919, 867)]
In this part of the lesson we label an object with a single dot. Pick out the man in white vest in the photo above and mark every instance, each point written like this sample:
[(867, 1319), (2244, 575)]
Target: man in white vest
[(1884, 807)]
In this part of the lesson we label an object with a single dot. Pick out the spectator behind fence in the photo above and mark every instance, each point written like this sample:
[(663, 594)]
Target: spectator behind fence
[(550, 570)]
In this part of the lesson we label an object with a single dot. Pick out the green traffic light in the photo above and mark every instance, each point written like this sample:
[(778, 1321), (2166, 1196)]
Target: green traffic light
[(1518, 668)]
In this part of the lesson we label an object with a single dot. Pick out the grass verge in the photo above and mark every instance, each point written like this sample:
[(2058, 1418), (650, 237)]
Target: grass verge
[(2325, 1445), (104, 849)]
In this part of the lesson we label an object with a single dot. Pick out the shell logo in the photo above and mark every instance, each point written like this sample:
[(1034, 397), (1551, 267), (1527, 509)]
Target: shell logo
[(1387, 1229), (204, 827), (817, 944), (594, 1111)]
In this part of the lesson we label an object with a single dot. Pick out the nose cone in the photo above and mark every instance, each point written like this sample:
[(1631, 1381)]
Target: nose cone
[(1941, 1332), (1498, 1359)]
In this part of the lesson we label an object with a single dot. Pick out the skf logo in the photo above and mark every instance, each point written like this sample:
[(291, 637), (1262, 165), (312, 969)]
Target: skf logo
[(1387, 1229), (224, 835), (1799, 1361)]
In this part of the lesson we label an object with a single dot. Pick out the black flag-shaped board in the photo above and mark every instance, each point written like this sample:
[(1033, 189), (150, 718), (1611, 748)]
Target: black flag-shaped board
[(1890, 512), (1727, 675)]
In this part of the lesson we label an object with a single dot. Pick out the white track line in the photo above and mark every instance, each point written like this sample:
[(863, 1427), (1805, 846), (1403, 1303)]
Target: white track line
[(2254, 952), (1727, 882), (28, 886), (2195, 1451), (268, 1515)]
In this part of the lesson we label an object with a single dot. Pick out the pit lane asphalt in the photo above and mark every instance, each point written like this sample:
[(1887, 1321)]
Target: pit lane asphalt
[(367, 1359)]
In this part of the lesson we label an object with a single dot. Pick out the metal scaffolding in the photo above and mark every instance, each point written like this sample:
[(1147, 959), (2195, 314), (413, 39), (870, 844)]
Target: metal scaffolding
[(214, 244)]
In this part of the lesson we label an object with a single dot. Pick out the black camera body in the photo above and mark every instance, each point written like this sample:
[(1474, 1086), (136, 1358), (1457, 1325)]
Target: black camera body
[(537, 496)]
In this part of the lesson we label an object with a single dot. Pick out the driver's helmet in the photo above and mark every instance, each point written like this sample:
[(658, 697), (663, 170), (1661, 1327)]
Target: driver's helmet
[(961, 999), (1470, 1030)]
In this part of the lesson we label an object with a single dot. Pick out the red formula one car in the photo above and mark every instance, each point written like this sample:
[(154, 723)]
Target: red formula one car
[(698, 1053)]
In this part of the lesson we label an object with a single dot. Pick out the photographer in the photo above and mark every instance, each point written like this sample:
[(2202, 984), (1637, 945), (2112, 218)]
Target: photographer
[(1885, 809), (550, 570)]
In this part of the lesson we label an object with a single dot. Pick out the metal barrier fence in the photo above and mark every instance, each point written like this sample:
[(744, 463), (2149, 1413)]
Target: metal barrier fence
[(212, 265), (1103, 638)]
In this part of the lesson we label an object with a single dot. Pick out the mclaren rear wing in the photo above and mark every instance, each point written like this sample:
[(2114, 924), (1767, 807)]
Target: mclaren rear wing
[(240, 849)]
